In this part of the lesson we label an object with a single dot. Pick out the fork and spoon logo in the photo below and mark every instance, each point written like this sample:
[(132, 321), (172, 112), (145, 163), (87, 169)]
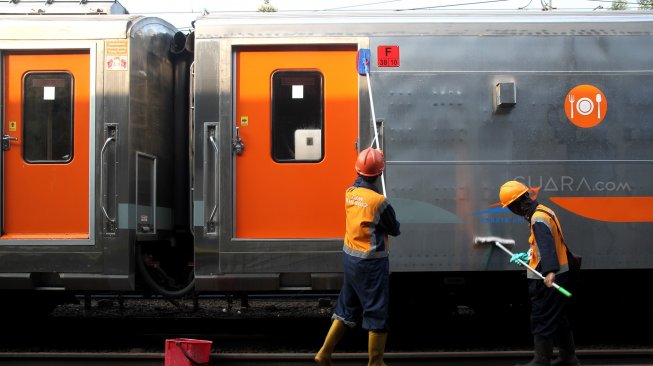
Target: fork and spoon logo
[(585, 106)]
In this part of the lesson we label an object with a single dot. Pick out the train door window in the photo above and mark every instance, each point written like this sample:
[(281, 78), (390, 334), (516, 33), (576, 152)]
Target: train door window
[(48, 117), (297, 116)]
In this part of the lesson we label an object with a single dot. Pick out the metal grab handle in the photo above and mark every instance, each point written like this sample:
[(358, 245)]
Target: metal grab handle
[(104, 211), (191, 149), (215, 148)]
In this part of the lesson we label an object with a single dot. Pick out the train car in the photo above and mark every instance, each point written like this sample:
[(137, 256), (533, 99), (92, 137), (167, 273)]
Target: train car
[(88, 146), (121, 175), (282, 104)]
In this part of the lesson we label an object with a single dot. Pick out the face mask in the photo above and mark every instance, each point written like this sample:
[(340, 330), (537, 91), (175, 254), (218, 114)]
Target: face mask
[(516, 207)]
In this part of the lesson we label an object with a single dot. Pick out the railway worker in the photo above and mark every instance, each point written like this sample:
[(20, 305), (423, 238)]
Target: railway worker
[(365, 293), (547, 255)]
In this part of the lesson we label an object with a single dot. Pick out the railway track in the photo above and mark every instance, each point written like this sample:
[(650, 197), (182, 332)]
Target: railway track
[(275, 332), (604, 357)]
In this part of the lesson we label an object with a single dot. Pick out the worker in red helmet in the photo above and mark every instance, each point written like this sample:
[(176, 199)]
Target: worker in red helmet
[(547, 255), (365, 293)]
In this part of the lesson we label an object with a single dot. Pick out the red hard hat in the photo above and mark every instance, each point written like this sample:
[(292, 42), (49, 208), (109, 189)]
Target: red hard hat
[(370, 162)]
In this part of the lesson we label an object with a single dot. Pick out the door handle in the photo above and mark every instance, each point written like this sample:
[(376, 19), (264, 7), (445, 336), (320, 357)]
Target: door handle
[(5, 141), (237, 143)]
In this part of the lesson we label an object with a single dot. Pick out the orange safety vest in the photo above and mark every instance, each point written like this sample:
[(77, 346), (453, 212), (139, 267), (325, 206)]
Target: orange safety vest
[(551, 221), (363, 208)]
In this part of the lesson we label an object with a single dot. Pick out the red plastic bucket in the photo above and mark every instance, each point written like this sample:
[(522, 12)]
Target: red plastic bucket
[(187, 352)]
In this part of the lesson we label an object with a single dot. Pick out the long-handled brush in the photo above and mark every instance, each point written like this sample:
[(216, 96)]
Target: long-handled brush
[(500, 242), (364, 56)]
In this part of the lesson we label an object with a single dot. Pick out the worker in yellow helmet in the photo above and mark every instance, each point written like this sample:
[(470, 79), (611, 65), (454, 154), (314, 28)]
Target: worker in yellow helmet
[(547, 255), (365, 293)]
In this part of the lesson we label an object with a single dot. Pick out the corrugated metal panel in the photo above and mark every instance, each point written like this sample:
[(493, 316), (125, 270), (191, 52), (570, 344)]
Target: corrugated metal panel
[(65, 27), (449, 24), (61, 7)]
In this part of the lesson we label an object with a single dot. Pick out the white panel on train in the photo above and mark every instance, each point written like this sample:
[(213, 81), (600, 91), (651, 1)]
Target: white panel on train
[(308, 144)]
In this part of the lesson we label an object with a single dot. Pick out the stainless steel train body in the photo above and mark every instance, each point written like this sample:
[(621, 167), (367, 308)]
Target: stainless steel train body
[(87, 168), (462, 102), (119, 172)]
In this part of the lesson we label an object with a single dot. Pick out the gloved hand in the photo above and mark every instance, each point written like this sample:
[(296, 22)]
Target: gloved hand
[(517, 256)]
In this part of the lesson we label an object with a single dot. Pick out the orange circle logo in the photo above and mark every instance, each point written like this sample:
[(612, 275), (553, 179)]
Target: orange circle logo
[(585, 106)]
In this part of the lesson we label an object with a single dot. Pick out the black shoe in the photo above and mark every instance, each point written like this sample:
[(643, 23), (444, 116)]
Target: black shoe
[(567, 348), (543, 352)]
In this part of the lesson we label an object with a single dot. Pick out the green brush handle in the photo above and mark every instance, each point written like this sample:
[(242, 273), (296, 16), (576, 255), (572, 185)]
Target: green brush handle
[(558, 287), (562, 290)]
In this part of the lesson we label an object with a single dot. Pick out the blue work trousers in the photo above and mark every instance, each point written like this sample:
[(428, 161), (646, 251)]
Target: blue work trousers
[(365, 293)]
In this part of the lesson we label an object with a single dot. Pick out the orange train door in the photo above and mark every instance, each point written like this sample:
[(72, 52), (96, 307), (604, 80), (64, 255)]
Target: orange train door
[(45, 146), (297, 115)]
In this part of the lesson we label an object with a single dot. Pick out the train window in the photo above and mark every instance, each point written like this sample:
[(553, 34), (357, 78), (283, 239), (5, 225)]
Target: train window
[(48, 117), (297, 116)]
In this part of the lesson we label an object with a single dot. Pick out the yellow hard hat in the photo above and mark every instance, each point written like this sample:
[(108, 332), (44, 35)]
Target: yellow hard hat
[(510, 191)]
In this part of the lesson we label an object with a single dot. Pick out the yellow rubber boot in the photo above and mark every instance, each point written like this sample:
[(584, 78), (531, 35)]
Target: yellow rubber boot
[(323, 356), (376, 347)]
